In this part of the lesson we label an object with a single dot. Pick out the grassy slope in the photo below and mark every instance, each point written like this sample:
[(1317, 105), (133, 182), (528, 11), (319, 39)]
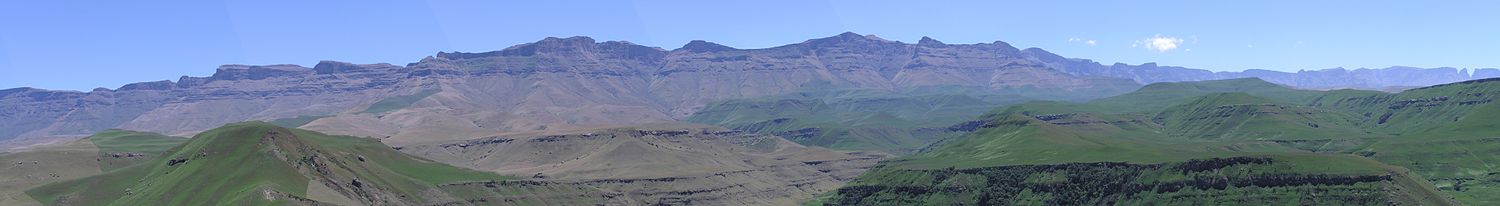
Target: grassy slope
[(39, 165), (1447, 133), (114, 141), (82, 158), (871, 119), (843, 118), (1240, 116), (1159, 96), (840, 123), (237, 162), (1167, 124)]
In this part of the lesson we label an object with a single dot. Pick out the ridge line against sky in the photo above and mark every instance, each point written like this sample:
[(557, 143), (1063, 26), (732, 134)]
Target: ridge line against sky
[(84, 45)]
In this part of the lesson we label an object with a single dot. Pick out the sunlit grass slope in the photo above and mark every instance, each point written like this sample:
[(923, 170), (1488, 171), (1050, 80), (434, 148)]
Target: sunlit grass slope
[(897, 120)]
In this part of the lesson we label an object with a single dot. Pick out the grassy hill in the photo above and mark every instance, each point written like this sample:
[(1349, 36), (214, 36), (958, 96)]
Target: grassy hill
[(261, 164), (1240, 116), (123, 148), (1449, 134), (896, 121), (1158, 96), (1433, 145)]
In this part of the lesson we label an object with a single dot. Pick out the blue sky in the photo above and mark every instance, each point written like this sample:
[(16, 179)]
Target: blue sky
[(80, 45)]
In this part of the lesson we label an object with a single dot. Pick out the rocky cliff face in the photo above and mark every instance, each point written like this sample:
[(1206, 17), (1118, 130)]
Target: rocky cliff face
[(577, 82), (234, 93)]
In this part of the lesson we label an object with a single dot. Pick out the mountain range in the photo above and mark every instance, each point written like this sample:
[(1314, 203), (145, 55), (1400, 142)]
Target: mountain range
[(844, 120), (577, 82)]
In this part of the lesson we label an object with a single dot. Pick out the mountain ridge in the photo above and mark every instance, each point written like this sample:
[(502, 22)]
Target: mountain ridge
[(531, 86), (555, 43)]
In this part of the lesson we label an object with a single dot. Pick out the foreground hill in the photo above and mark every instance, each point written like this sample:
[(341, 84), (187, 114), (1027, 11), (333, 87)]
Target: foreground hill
[(1212, 142), (258, 164)]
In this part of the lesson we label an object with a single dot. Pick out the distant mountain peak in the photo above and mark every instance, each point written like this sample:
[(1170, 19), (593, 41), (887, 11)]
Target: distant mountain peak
[(327, 67), (554, 43), (704, 46), (573, 39), (625, 44), (7, 92), (571, 46), (238, 71), (849, 34), (928, 41), (156, 85), (998, 42), (847, 38)]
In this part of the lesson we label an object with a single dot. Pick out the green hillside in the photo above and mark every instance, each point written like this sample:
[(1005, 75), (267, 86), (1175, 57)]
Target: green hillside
[(897, 121), (1272, 180), (1434, 145), (261, 164), (1449, 134), (1158, 96), (1240, 116), (102, 152), (122, 148)]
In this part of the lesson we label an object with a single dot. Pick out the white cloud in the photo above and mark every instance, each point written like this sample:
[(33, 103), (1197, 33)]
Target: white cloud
[(1250, 45), (1090, 42), (1159, 43)]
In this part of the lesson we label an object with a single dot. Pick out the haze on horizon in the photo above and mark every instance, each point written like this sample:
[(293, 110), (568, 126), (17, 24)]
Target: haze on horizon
[(80, 46)]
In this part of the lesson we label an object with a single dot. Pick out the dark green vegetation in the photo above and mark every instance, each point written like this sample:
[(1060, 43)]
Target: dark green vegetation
[(1323, 147), (261, 164), (898, 121), (1216, 181)]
